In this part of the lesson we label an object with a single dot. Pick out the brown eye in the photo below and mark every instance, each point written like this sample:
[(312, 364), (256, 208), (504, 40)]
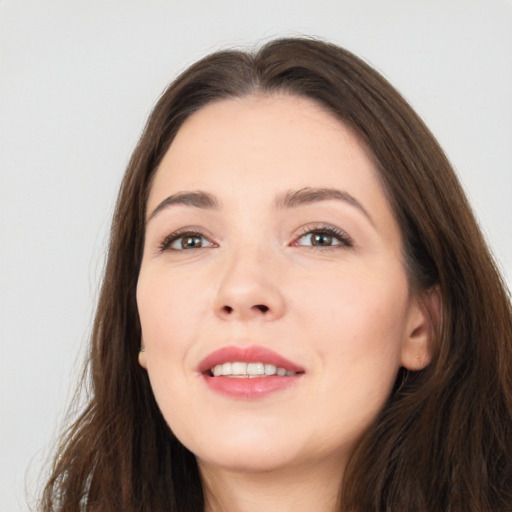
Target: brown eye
[(185, 241), (189, 242), (324, 237), (321, 239)]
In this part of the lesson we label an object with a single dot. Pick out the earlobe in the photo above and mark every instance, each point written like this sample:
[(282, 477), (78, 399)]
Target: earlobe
[(142, 356), (424, 320)]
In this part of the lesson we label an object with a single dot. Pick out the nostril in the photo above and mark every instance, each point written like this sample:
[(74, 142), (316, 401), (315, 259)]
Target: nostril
[(260, 307)]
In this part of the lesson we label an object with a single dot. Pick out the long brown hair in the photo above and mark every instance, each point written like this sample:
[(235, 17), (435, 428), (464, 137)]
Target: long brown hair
[(443, 442)]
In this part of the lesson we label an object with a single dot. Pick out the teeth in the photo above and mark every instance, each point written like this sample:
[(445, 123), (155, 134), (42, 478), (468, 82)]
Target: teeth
[(238, 368), (255, 369), (270, 369), (249, 370)]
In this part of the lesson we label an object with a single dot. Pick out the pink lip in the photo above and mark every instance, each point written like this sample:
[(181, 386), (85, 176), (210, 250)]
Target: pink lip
[(246, 388), (251, 354)]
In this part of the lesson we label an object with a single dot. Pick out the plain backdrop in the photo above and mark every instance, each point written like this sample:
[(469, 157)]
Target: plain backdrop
[(78, 79)]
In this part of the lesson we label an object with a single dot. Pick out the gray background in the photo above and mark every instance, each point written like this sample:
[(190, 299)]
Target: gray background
[(77, 81)]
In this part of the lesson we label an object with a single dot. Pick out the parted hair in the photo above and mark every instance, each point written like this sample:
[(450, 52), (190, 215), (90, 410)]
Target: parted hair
[(443, 441)]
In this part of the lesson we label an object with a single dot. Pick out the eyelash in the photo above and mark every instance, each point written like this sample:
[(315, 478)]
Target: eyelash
[(176, 235), (345, 240)]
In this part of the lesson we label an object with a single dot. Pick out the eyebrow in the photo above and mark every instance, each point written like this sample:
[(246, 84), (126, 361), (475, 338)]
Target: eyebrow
[(290, 199), (195, 199), (304, 196)]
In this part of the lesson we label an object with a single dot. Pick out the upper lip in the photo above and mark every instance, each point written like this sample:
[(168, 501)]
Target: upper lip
[(250, 354)]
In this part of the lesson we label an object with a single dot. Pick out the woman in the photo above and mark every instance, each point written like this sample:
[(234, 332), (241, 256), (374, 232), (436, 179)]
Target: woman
[(298, 309)]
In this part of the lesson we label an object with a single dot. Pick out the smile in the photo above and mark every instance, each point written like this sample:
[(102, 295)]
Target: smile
[(248, 373), (249, 370)]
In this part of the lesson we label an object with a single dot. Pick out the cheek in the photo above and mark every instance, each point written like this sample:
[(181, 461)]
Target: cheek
[(169, 326), (359, 346), (173, 309), (169, 307), (358, 321)]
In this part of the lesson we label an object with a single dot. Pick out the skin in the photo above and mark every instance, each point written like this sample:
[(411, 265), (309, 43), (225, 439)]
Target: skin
[(343, 311)]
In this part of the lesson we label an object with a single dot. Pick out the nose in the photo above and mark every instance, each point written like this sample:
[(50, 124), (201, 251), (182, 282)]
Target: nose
[(248, 290)]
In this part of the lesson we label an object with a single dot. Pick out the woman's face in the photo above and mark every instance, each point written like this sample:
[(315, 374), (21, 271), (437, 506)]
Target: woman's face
[(270, 243)]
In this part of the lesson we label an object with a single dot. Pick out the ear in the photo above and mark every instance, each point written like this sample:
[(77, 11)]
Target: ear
[(142, 355), (423, 322)]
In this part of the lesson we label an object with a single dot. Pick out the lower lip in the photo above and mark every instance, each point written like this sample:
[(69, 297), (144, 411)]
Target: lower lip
[(250, 388)]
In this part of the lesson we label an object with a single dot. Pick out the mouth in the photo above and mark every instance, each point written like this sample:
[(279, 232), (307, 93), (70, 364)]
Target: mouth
[(241, 370), (249, 372)]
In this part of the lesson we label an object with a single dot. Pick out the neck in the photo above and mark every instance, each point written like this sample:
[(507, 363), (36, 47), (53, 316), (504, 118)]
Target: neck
[(296, 489)]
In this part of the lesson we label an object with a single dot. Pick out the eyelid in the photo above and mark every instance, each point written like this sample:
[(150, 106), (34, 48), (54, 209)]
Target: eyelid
[(342, 236), (191, 231)]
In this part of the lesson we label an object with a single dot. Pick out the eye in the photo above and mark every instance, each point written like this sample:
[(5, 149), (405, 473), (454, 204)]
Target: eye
[(324, 237), (179, 241), (318, 239)]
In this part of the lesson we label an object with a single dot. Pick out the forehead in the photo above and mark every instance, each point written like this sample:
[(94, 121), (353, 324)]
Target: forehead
[(275, 139)]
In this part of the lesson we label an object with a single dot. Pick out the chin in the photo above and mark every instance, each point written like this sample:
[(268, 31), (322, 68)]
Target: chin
[(246, 451), (248, 461)]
